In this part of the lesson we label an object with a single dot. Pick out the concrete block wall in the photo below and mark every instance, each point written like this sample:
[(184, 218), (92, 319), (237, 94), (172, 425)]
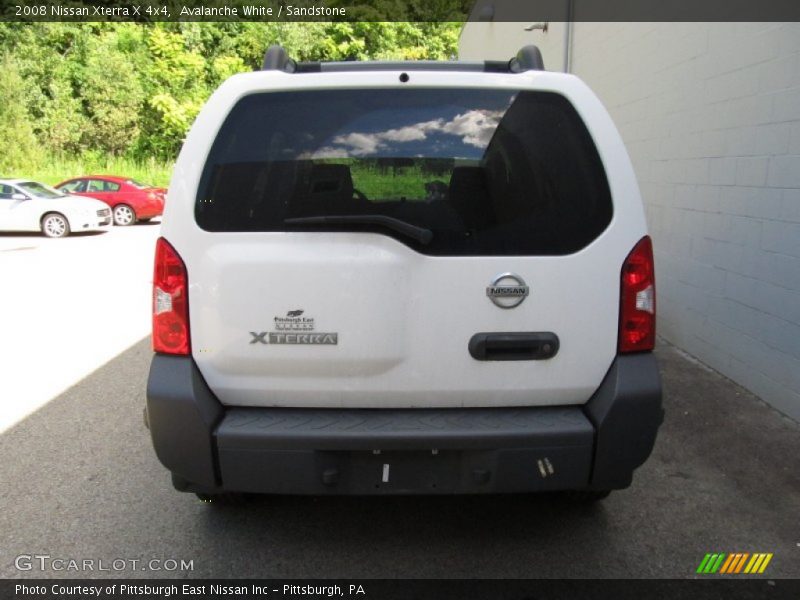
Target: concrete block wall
[(710, 113)]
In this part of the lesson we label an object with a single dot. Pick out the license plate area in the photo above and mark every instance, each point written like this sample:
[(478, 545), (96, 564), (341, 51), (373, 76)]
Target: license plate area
[(363, 472), (404, 471)]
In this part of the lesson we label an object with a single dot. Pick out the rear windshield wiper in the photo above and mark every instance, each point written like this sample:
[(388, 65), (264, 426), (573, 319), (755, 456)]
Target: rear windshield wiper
[(422, 235)]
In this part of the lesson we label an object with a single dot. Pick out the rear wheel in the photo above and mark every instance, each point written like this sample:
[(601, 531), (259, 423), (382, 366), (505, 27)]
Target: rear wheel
[(55, 225), (124, 215)]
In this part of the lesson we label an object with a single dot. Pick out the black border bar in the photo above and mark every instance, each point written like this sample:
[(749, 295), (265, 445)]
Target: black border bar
[(529, 11), (635, 10), (709, 588)]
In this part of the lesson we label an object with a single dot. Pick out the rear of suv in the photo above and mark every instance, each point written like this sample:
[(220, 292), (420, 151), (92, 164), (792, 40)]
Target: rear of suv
[(396, 278)]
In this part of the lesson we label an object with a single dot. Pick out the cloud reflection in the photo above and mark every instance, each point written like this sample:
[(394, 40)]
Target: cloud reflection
[(474, 127)]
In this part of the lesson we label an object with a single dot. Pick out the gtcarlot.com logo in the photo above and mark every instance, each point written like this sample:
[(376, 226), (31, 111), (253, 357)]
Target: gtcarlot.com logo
[(45, 562), (735, 563)]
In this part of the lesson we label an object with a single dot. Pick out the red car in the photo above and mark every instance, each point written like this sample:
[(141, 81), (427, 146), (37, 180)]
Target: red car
[(130, 201)]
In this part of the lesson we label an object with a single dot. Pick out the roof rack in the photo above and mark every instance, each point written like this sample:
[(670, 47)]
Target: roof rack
[(529, 58), (276, 58)]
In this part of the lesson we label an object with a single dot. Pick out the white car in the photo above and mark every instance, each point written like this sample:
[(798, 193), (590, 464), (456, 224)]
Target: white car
[(31, 206), (403, 278)]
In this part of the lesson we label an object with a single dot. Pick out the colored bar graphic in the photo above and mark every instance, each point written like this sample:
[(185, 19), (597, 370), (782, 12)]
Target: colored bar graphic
[(754, 563), (703, 563), (711, 562), (765, 563), (734, 563), (718, 563), (727, 564), (730, 563), (740, 565)]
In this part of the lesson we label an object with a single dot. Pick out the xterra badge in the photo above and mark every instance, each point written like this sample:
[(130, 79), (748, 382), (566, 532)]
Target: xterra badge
[(266, 337), (507, 290), (294, 329), (304, 338)]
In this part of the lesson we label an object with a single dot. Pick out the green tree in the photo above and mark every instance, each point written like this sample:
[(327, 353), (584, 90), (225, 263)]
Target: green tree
[(175, 78), (20, 145), (45, 54), (62, 122), (112, 96), (133, 89)]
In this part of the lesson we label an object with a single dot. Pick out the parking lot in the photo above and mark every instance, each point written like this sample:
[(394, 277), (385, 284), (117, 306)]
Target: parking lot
[(81, 480), (68, 306)]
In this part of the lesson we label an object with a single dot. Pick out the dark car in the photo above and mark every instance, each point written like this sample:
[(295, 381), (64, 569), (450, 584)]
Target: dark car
[(130, 200)]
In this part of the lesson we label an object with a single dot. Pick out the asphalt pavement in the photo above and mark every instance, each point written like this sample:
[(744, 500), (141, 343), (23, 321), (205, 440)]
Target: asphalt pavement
[(81, 482)]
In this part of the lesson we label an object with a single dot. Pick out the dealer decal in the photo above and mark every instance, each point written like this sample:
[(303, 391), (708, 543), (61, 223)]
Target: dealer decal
[(294, 329)]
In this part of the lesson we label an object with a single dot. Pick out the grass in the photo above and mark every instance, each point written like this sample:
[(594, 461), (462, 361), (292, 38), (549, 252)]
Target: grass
[(57, 169), (393, 184), (408, 182)]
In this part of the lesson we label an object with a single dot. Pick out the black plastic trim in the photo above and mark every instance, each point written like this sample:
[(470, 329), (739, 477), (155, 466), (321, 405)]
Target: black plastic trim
[(626, 412), (209, 448), (534, 345), (405, 451), (403, 429), (183, 413), (529, 58)]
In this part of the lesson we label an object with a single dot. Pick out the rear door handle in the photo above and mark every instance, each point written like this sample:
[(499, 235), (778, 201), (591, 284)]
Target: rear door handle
[(536, 345)]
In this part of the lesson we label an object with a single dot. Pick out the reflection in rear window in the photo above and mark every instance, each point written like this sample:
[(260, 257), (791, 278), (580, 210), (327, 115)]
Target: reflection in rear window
[(487, 172)]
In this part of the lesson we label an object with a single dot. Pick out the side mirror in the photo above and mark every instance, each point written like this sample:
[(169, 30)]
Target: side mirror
[(18, 196)]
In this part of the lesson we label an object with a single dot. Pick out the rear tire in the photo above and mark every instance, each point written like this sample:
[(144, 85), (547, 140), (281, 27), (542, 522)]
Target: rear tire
[(55, 225), (124, 215)]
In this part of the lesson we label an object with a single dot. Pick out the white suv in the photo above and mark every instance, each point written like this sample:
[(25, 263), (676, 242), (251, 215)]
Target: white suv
[(394, 278)]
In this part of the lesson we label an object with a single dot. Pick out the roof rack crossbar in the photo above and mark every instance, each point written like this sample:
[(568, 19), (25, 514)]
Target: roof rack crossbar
[(529, 58)]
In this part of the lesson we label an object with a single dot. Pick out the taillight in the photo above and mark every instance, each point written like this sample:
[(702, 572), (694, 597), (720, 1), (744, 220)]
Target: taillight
[(637, 317), (170, 302)]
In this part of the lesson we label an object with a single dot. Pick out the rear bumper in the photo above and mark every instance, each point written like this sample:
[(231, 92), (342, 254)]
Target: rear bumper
[(211, 448)]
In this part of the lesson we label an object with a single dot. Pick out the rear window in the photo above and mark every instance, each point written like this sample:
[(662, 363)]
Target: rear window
[(481, 172)]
